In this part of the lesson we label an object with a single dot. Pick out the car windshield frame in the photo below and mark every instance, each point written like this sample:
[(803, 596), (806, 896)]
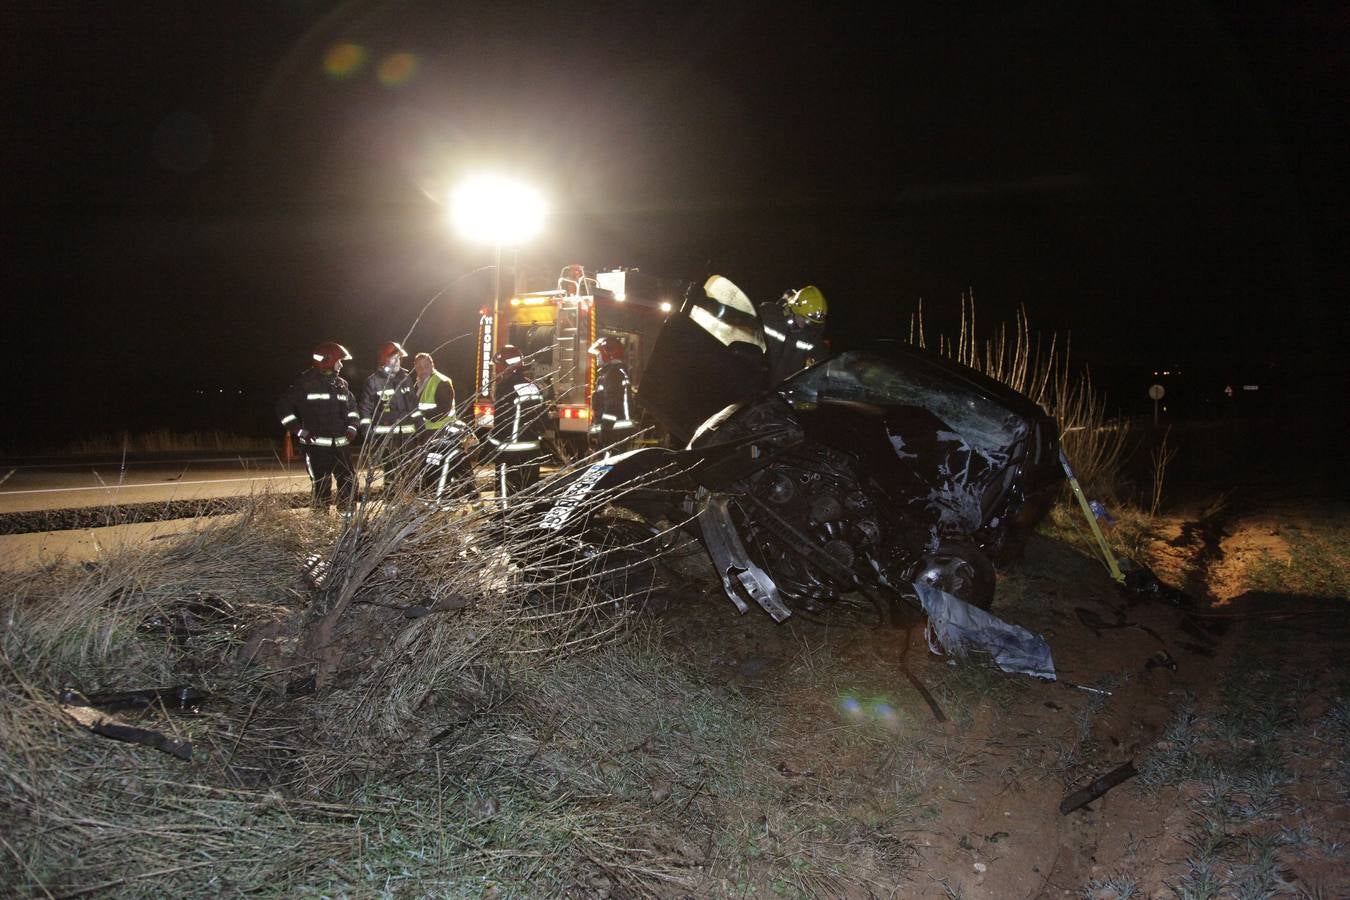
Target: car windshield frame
[(861, 377)]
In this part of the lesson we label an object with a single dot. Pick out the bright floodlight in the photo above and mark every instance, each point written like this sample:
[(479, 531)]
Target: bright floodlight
[(496, 210)]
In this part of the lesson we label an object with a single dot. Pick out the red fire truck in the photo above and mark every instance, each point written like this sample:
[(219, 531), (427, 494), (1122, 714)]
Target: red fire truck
[(555, 328)]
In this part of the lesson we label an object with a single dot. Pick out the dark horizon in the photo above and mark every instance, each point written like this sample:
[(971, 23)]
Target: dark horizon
[(192, 200)]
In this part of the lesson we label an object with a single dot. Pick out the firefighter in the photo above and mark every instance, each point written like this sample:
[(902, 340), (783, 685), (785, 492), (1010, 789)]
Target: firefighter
[(794, 331), (320, 411), (439, 431), (517, 420), (387, 407), (611, 401)]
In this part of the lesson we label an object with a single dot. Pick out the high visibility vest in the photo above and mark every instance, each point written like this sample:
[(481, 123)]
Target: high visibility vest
[(427, 403)]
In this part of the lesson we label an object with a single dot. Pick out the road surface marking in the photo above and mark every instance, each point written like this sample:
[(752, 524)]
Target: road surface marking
[(153, 484)]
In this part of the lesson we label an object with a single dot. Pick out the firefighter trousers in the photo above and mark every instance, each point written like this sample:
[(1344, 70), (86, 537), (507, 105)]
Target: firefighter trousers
[(325, 464), (394, 453), (608, 435), (515, 472), (447, 470)]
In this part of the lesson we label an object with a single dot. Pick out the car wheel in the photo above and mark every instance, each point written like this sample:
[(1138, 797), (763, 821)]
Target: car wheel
[(962, 570)]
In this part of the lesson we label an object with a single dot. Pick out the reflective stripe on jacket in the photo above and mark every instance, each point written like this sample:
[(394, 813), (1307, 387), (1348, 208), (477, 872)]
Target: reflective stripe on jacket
[(320, 403), (517, 414), (611, 401), (436, 402), (388, 401)]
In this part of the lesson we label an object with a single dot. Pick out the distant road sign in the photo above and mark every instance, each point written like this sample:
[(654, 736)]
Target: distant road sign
[(1156, 392)]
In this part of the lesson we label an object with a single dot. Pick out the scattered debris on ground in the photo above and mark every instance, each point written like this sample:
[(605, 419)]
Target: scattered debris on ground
[(443, 735)]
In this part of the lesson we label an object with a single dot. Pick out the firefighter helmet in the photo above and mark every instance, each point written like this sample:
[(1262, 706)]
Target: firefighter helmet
[(329, 355), (807, 303), (607, 349), (507, 358), (572, 279), (390, 350)]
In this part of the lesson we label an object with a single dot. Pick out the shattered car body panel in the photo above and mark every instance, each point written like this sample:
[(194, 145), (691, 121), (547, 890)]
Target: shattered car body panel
[(885, 469)]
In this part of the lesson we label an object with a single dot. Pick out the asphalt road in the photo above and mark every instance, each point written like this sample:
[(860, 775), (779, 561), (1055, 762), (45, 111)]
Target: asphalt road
[(33, 488)]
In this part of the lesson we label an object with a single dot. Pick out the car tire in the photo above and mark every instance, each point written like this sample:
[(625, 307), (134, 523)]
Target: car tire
[(962, 570)]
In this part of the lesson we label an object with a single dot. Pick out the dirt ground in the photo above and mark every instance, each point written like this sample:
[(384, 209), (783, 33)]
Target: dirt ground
[(830, 756), (983, 818)]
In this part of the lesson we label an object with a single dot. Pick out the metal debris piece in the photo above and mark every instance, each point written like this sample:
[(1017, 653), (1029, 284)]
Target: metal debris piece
[(1097, 788), (1083, 687), (956, 627)]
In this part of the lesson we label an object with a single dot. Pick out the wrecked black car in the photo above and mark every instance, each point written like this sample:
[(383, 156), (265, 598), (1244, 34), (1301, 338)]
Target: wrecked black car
[(885, 470)]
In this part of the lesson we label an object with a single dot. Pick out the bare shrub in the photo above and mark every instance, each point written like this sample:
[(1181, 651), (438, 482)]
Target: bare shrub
[(1161, 456), (1038, 368)]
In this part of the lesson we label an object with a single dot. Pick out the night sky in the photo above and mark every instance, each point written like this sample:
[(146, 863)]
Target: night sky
[(196, 193)]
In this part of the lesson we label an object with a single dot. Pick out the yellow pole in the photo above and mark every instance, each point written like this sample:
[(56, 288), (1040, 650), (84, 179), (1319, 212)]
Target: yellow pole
[(1112, 566)]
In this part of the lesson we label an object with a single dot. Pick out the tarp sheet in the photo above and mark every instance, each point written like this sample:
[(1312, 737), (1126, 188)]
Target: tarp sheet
[(956, 628)]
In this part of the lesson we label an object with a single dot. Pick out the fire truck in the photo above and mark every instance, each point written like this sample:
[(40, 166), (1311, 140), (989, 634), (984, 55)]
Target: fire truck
[(554, 329)]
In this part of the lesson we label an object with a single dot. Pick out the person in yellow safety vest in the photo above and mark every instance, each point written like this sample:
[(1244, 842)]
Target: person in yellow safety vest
[(438, 429), (517, 420), (794, 332), (387, 405), (612, 399), (319, 410)]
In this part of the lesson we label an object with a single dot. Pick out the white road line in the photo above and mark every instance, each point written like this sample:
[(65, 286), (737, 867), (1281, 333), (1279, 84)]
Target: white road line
[(112, 464), (153, 484)]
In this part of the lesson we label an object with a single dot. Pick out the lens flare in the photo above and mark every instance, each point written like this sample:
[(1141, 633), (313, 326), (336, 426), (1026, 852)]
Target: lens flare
[(397, 70), (886, 714), (344, 60), (874, 710)]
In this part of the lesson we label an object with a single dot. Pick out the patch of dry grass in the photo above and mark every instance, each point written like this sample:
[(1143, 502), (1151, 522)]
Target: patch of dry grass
[(408, 700)]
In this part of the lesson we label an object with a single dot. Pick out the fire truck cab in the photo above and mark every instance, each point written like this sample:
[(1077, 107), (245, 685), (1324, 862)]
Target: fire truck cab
[(554, 329)]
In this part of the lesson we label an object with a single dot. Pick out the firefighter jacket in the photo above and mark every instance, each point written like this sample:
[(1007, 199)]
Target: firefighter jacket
[(612, 399), (388, 403), (435, 402), (789, 349), (517, 414), (320, 404)]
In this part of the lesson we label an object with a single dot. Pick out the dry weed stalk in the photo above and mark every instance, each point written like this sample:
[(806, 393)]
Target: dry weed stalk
[(1161, 457), (1094, 441)]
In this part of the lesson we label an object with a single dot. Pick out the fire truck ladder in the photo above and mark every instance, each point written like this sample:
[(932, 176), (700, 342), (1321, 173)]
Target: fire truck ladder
[(565, 355)]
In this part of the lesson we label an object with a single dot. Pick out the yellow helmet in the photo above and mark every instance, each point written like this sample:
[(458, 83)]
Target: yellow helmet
[(809, 303)]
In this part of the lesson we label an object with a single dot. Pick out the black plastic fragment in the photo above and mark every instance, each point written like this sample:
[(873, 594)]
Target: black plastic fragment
[(131, 735), (1094, 790), (179, 697)]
